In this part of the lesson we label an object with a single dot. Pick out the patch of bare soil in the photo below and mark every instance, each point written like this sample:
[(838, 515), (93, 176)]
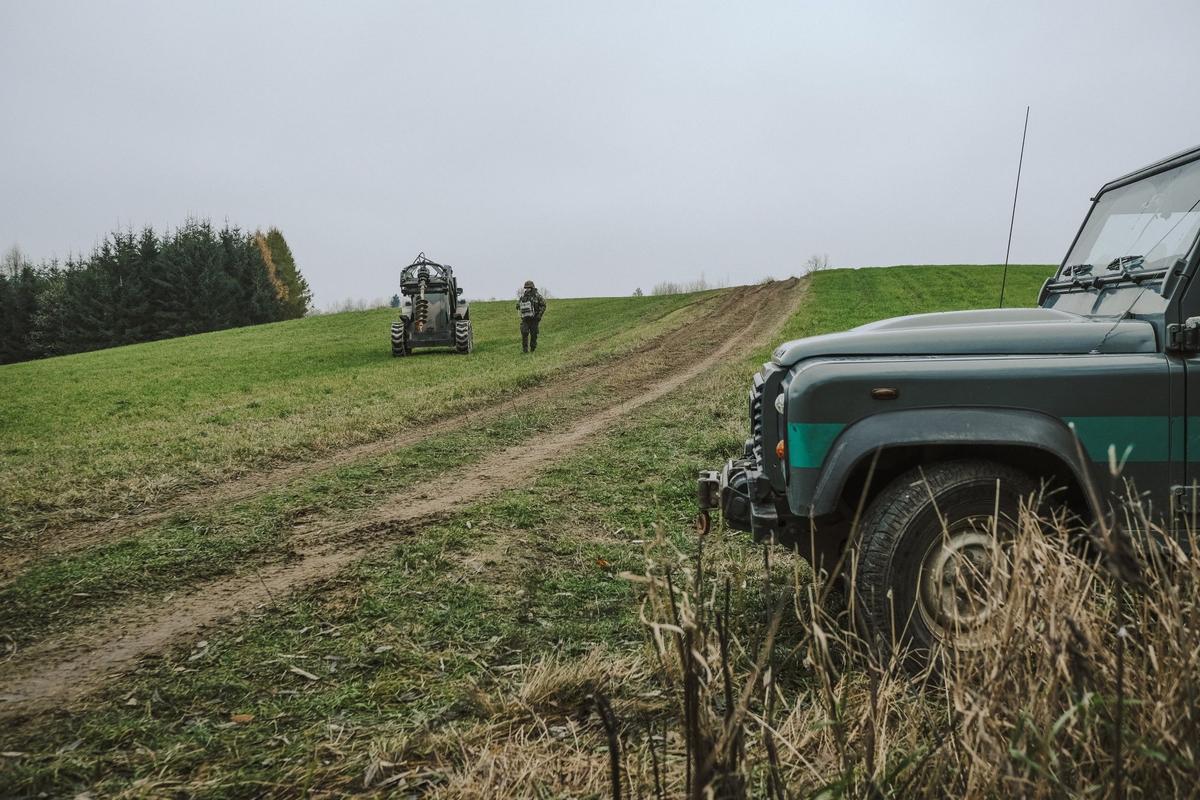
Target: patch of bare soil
[(56, 671)]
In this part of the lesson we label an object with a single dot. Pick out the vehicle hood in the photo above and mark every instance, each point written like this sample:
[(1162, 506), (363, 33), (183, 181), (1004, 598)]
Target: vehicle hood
[(1000, 331)]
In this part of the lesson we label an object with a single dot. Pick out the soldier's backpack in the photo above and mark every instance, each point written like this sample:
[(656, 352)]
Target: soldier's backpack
[(525, 308)]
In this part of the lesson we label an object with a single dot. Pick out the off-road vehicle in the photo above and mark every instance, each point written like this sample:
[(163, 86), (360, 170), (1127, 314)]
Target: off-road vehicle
[(933, 423), (432, 313)]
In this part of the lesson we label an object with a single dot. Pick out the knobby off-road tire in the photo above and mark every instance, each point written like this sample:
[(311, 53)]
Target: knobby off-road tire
[(464, 336), (399, 339), (933, 563)]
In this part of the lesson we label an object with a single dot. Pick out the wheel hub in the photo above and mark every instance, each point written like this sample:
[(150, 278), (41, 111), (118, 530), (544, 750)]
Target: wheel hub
[(963, 578)]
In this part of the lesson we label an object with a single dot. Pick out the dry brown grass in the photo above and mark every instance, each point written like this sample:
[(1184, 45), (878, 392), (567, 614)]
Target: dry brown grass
[(1088, 688), (541, 737), (753, 686)]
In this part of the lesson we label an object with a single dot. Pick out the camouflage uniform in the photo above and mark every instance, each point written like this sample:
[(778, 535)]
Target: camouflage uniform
[(529, 325)]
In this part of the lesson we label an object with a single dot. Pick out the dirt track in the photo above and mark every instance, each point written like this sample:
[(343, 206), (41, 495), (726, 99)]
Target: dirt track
[(57, 671), (89, 534)]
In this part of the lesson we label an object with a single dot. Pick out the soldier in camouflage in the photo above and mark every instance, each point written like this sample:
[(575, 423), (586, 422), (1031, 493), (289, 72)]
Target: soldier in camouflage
[(531, 306)]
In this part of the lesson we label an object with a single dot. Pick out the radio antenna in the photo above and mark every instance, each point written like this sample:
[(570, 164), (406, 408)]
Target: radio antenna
[(1012, 220)]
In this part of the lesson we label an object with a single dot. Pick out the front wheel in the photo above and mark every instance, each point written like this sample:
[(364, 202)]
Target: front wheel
[(464, 336), (934, 563), (400, 346)]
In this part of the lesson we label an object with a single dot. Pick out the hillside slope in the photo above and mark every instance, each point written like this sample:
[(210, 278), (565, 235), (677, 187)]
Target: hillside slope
[(403, 596), (95, 434), (845, 298)]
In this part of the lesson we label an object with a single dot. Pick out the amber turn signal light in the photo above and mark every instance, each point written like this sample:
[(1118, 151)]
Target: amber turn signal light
[(779, 450)]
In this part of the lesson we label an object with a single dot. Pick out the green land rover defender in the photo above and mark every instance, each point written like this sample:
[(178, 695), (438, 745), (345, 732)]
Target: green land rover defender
[(921, 428)]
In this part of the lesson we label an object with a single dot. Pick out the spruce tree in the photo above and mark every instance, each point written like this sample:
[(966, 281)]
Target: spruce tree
[(20, 285), (89, 303), (50, 323), (10, 333), (136, 261), (215, 305), (169, 290), (264, 297)]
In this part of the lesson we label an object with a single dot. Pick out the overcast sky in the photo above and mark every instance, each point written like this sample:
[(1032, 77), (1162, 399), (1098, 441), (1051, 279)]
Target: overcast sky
[(592, 147)]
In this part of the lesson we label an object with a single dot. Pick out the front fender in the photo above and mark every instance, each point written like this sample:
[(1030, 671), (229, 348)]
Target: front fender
[(941, 426)]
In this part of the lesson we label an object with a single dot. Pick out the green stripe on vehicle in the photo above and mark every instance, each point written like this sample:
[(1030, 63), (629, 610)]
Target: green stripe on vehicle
[(808, 442), (1188, 436), (1135, 439)]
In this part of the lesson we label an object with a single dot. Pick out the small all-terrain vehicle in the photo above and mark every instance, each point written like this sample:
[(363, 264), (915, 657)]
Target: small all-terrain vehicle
[(432, 311), (937, 426)]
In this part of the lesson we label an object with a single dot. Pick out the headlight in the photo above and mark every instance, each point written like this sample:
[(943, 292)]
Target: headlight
[(779, 403)]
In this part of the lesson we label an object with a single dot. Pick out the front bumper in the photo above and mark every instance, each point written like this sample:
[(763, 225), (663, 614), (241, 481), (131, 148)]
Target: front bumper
[(744, 496)]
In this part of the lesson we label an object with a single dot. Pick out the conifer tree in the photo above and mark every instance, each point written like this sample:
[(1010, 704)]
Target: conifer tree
[(49, 327), (20, 285), (139, 287), (18, 306), (277, 285), (299, 296)]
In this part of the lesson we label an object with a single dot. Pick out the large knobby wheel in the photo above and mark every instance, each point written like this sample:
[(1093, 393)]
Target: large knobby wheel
[(933, 566), (399, 339), (464, 337)]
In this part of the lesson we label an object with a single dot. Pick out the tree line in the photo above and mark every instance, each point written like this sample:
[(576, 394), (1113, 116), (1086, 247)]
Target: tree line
[(137, 287)]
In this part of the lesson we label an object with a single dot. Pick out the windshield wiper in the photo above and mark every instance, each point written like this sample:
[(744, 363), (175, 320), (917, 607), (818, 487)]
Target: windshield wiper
[(1074, 275), (1135, 276), (1127, 263), (1130, 268)]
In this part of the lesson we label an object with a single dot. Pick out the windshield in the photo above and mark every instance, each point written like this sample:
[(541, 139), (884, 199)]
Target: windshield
[(1143, 226), (439, 311)]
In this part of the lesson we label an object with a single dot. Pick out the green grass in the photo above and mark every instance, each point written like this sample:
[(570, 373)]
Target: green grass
[(849, 298), (448, 629), (102, 432), (405, 643), (73, 589)]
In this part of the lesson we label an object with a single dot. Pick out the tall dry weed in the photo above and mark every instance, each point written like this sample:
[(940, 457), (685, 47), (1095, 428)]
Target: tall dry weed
[(755, 684), (1087, 687)]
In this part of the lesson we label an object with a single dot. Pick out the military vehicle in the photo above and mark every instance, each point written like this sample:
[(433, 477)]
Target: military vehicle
[(432, 313), (938, 425)]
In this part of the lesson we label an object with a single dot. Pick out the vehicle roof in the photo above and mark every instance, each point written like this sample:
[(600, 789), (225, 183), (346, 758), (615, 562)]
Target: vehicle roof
[(1170, 162)]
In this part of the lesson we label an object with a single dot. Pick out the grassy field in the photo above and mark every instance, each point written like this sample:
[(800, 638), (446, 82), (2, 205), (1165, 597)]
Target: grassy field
[(91, 435), (849, 298), (458, 660)]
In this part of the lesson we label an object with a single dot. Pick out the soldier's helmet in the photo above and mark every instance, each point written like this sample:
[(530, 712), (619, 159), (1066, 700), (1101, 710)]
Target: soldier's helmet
[(528, 284)]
